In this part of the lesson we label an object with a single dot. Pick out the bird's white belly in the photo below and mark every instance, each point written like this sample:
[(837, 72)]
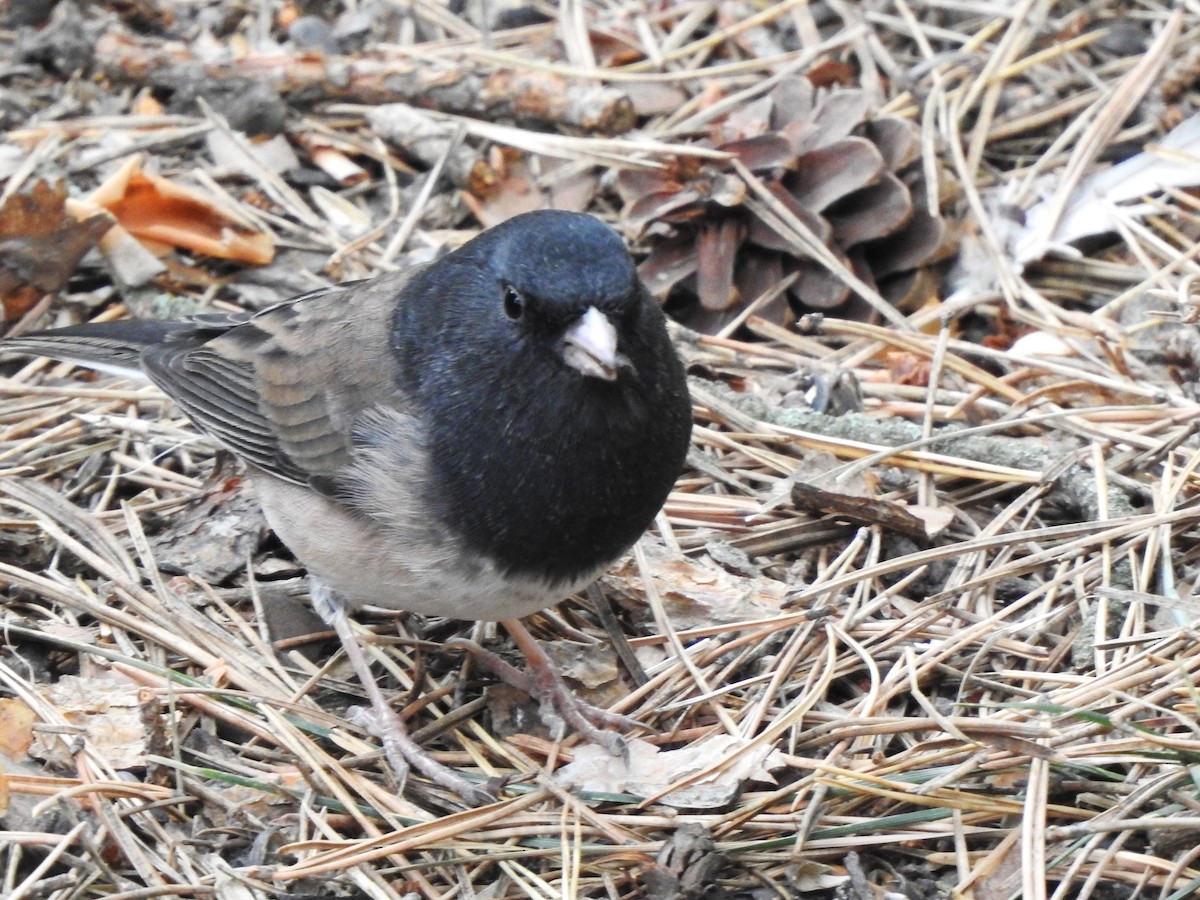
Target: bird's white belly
[(367, 564)]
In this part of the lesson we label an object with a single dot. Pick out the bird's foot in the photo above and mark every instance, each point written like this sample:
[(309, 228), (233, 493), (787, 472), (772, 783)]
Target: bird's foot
[(380, 719), (402, 752), (559, 706)]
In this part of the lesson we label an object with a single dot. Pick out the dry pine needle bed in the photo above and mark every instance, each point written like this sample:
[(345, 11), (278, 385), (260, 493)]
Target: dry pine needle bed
[(917, 620)]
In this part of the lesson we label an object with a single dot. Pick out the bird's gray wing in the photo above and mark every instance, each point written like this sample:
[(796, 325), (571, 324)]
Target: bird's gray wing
[(283, 387)]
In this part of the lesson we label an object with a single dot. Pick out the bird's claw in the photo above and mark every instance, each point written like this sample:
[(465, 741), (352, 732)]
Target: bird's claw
[(403, 753), (558, 705)]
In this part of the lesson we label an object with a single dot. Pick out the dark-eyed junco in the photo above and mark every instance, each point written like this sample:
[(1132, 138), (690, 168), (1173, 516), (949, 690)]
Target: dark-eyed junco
[(475, 438)]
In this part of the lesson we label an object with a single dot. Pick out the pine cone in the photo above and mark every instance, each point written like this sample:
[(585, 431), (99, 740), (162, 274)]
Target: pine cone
[(855, 181)]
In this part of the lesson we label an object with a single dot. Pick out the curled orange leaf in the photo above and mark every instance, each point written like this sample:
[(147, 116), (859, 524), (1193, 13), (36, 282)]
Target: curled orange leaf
[(163, 214)]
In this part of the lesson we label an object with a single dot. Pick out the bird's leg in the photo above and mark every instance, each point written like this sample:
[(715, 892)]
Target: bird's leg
[(542, 681), (381, 720)]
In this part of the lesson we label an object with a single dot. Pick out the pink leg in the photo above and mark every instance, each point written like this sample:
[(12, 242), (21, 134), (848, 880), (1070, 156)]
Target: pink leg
[(542, 681), (383, 721)]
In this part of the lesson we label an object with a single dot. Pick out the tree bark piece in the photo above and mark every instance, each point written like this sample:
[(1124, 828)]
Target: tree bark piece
[(462, 85)]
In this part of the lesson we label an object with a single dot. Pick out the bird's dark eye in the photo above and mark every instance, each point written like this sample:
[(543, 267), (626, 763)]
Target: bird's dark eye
[(514, 303)]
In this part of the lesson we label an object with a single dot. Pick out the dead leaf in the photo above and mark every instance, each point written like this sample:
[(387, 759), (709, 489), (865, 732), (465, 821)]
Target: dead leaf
[(717, 765), (688, 865), (41, 244), (131, 263), (592, 665), (107, 709), (163, 214), (211, 539), (16, 728), (698, 592)]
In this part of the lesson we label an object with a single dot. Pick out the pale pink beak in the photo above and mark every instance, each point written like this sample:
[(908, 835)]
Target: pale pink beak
[(590, 347)]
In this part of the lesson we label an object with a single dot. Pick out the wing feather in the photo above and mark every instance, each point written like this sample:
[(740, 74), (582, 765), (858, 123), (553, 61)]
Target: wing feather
[(284, 388), (275, 388)]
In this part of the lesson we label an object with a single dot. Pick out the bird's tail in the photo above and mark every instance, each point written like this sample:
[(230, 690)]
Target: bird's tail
[(114, 347)]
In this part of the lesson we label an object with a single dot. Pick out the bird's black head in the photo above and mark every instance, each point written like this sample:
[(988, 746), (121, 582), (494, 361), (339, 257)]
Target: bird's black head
[(569, 260), (557, 407), (546, 268)]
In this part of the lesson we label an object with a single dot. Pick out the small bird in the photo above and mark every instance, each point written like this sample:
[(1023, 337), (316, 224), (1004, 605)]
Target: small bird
[(476, 438)]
